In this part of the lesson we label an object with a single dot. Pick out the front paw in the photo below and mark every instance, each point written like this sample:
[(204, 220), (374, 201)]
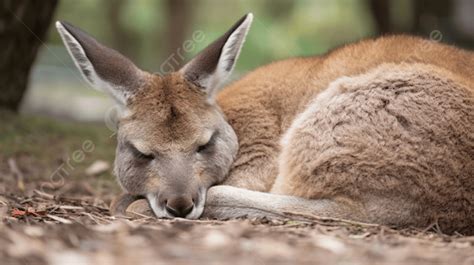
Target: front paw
[(130, 206), (139, 208)]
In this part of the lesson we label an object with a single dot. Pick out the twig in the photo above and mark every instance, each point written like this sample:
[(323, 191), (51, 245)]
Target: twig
[(17, 173), (26, 200), (90, 216), (59, 219), (433, 226), (71, 207), (140, 214), (44, 194), (95, 217)]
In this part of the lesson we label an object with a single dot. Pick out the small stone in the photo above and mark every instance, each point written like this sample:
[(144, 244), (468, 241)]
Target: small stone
[(329, 243), (97, 168), (216, 239), (34, 231)]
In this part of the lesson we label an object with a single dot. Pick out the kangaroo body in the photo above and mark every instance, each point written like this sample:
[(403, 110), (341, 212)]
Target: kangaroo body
[(378, 131)]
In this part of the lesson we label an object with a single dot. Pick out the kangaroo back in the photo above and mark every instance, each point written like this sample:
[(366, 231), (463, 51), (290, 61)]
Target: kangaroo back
[(378, 131)]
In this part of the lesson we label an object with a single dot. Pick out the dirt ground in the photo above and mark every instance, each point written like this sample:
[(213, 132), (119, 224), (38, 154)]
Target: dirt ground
[(69, 222), (44, 228)]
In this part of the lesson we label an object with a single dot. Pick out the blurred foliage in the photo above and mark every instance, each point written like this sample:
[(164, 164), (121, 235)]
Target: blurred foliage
[(282, 28), (150, 31)]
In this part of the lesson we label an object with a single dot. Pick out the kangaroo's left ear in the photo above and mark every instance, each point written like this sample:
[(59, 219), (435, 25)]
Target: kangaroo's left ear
[(103, 68), (215, 63)]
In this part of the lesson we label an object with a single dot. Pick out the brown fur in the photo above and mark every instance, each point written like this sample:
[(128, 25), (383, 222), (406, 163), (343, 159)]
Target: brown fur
[(405, 133), (274, 94), (382, 151), (378, 131)]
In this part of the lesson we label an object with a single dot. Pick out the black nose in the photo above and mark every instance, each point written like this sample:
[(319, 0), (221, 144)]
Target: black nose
[(179, 206)]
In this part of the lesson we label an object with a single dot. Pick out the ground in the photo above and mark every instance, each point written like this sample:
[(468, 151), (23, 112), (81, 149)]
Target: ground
[(63, 218)]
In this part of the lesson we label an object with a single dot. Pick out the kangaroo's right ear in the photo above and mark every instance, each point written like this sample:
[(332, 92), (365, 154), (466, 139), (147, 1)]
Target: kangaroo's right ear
[(103, 68), (212, 66)]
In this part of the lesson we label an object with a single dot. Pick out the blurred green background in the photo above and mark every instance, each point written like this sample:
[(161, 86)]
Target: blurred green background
[(149, 31)]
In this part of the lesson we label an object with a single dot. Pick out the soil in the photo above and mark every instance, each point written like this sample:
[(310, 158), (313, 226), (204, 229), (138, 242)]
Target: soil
[(60, 229)]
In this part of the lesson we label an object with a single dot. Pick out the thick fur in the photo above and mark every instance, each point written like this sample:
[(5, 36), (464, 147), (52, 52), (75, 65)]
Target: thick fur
[(390, 139), (384, 127), (377, 131), (173, 140), (262, 106)]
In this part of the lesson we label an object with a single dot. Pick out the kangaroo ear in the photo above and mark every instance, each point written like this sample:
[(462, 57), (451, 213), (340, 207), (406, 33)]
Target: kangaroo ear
[(216, 62), (102, 67)]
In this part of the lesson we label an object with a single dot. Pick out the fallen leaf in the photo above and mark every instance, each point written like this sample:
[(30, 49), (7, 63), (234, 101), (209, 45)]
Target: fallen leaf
[(29, 211), (17, 213)]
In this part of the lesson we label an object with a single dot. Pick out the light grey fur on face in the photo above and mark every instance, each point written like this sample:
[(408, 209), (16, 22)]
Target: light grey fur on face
[(169, 169), (160, 211), (176, 171), (177, 167)]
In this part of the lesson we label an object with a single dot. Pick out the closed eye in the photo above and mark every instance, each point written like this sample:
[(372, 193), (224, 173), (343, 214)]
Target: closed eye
[(203, 147), (140, 155), (143, 156), (209, 144)]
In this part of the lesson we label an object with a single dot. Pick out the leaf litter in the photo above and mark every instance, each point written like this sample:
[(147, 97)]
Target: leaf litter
[(47, 228)]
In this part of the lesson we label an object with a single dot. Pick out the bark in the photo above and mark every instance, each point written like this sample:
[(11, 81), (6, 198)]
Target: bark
[(23, 26), (124, 40), (179, 12), (380, 10)]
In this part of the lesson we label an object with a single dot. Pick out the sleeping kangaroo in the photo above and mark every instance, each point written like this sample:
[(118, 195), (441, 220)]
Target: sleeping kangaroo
[(379, 131)]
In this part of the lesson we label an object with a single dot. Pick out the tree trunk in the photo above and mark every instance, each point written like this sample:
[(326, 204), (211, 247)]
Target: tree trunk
[(179, 19), (381, 12), (23, 26), (123, 39)]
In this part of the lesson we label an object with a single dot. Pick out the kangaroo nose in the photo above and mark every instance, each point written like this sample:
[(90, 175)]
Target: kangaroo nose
[(179, 206)]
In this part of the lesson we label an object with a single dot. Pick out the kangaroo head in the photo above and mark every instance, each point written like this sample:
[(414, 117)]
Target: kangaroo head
[(173, 140)]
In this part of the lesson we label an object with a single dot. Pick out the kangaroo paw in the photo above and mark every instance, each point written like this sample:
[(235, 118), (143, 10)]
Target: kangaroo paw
[(127, 205)]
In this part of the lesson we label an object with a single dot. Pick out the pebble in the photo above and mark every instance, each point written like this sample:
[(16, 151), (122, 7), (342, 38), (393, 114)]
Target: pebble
[(216, 239)]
